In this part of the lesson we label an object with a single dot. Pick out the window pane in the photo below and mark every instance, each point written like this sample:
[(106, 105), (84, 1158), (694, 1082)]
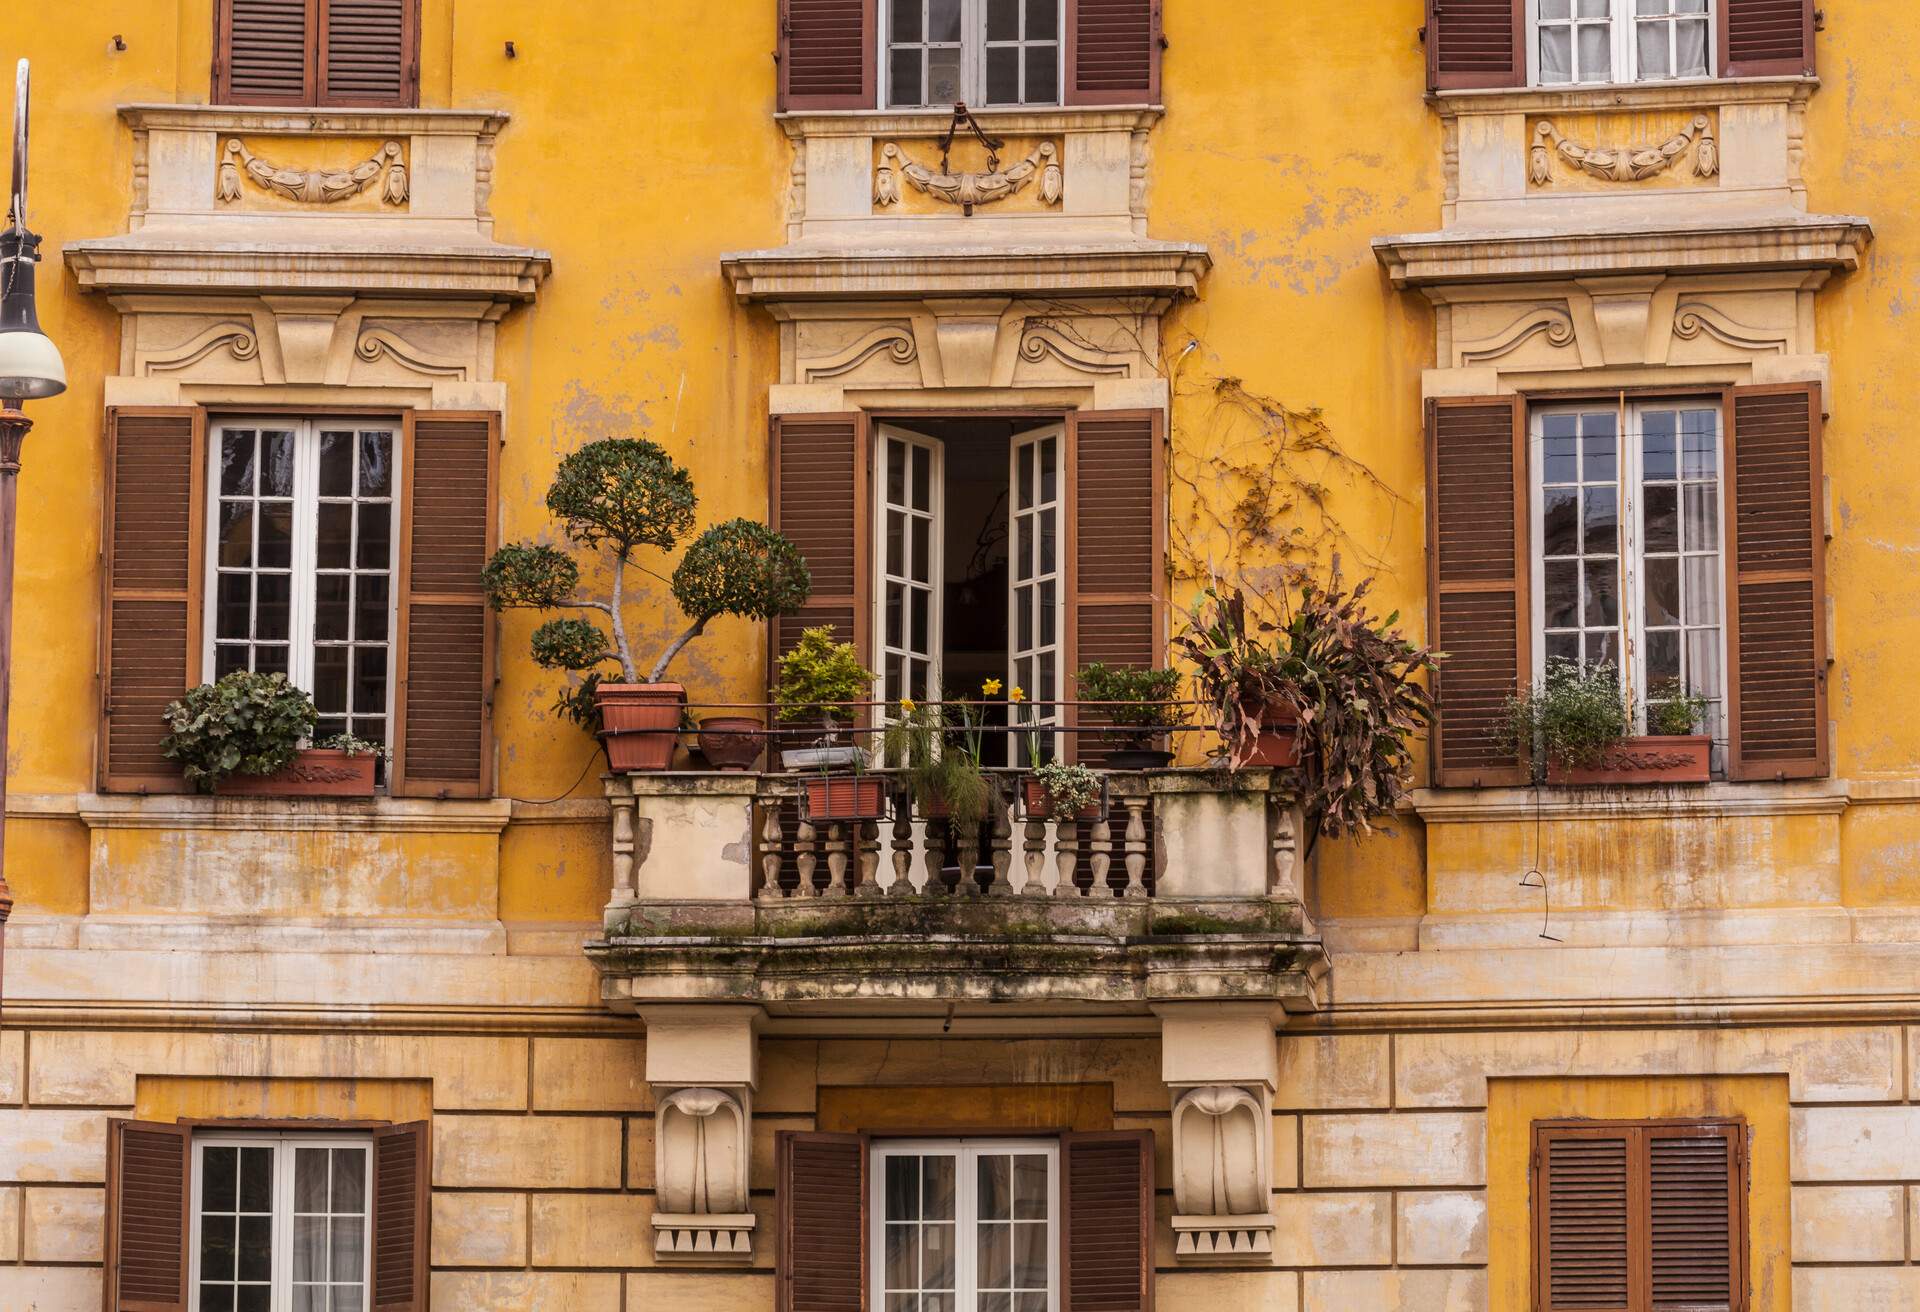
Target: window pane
[(943, 76), (332, 598), (903, 76), (922, 478), (1043, 74), (1596, 53), (236, 534), (1603, 594), (370, 680), (336, 464), (1047, 611), (1656, 444), (1003, 20), (1662, 513), (1696, 452), (309, 1182), (1595, 8), (904, 19), (1663, 592), (1043, 20), (1563, 647), (922, 548), (1003, 75), (995, 1197), (330, 680), (276, 467), (1600, 521), (349, 1247), (1703, 516), (349, 1298), (216, 1247), (276, 535), (943, 20), (254, 1298), (917, 619), (1603, 649), (376, 540), (1690, 47), (1703, 662), (270, 660), (310, 1244), (939, 1176), (1551, 9), (233, 618), (995, 1246), (272, 607), (1030, 1186), (1562, 594), (1652, 40), (1560, 527), (227, 659), (1596, 449), (256, 1248), (333, 539), (256, 1180), (216, 1298), (376, 464), (1663, 661), (1557, 439), (1703, 577), (936, 1255), (1030, 1256), (236, 463), (1556, 54)]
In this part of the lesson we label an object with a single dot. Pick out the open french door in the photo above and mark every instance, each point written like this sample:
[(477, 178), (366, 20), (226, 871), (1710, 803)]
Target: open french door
[(1036, 596), (909, 493)]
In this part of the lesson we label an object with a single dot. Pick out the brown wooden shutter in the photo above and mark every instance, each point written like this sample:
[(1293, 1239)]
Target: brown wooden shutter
[(1113, 52), (1107, 1215), (819, 497), (155, 555), (443, 710), (1115, 547), (1639, 1216), (1776, 596), (829, 54), (369, 52), (1480, 612), (1584, 1219), (263, 51), (822, 1192), (1476, 43), (1766, 38), (400, 1217), (149, 1165)]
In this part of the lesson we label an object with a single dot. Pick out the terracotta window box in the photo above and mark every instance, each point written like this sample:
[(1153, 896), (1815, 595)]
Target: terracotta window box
[(315, 772), (1654, 759), (852, 797), (1037, 803)]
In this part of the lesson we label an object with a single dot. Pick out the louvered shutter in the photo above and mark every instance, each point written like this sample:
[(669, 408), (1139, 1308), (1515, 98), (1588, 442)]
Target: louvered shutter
[(369, 53), (1776, 566), (828, 54), (1696, 1194), (1766, 38), (1116, 545), (149, 1165), (1107, 1217), (444, 704), (1113, 52), (155, 555), (264, 50), (1584, 1219), (400, 1217), (1480, 612), (819, 500), (821, 1184), (1476, 43)]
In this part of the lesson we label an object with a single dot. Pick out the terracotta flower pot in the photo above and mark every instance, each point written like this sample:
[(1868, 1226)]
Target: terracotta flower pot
[(837, 797), (1037, 802), (732, 742), (1278, 747), (1654, 759), (315, 772), (639, 723)]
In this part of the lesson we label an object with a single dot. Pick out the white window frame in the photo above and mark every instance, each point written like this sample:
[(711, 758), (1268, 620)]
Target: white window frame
[(1630, 509), (973, 60), (304, 565), (1625, 51), (967, 1153), (1043, 702), (885, 579), (283, 1145)]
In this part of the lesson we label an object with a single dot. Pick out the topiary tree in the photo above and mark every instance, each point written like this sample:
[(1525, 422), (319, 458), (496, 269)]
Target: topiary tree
[(617, 496)]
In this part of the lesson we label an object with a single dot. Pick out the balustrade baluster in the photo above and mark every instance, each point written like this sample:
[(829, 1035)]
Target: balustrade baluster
[(867, 859), (968, 855), (934, 856), (1136, 848), (1100, 856), (902, 852), (838, 842), (1002, 840), (1066, 855), (771, 838), (1034, 855), (805, 841)]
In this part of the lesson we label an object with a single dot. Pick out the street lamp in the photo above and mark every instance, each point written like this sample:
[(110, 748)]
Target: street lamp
[(30, 369)]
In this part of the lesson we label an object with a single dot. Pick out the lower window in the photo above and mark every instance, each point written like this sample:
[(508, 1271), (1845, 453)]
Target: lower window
[(966, 1225), (280, 1223)]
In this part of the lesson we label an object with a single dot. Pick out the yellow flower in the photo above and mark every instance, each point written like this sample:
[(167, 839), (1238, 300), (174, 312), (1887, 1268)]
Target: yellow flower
[(906, 705), (991, 688), (1018, 694)]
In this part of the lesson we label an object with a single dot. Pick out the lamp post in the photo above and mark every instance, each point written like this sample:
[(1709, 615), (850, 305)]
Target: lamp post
[(30, 368)]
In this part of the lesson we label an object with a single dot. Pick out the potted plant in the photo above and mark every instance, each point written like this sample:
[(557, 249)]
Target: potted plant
[(243, 736), (1576, 722), (820, 682), (941, 768), (1054, 788), (1249, 694), (617, 497), (1141, 704)]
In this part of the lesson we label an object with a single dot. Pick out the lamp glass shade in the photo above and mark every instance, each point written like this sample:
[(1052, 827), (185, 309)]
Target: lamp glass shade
[(30, 366)]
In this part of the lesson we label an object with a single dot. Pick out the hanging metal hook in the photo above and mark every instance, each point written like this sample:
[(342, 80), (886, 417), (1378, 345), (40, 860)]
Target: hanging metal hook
[(962, 116)]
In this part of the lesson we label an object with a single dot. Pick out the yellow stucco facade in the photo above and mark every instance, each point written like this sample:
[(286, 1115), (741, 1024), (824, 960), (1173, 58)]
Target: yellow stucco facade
[(1731, 948)]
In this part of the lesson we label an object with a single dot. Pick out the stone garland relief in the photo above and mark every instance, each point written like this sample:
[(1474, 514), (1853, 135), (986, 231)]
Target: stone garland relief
[(1623, 163), (967, 189), (314, 186)]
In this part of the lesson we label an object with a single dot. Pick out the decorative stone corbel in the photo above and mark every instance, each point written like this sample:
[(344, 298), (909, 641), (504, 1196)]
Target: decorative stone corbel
[(702, 1063), (1219, 1062)]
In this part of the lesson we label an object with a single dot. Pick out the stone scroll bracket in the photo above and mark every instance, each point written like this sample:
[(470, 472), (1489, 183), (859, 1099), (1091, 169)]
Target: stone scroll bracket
[(703, 1067), (1220, 1066)]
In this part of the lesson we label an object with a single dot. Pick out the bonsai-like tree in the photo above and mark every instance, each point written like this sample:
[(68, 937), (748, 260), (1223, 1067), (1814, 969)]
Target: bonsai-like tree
[(618, 496)]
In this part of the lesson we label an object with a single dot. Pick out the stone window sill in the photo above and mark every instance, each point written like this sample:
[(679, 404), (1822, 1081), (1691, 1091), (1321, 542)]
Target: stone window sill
[(1642, 801), (269, 814), (284, 120), (1024, 122), (1626, 95)]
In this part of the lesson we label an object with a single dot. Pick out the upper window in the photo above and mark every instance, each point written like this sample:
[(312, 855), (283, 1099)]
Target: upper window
[(280, 1223), (965, 1225), (1626, 545), (302, 558), (983, 52), (317, 52), (1579, 41)]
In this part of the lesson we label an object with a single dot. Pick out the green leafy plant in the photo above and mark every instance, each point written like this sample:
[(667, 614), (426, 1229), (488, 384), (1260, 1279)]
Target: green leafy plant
[(353, 746), (246, 723), (938, 765), (1675, 712), (1352, 679), (1070, 789), (617, 497), (1570, 717), (1141, 703), (820, 679)]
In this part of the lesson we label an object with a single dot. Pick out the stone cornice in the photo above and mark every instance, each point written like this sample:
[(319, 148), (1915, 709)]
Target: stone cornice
[(1484, 805), (1634, 97), (1469, 255), (1069, 269), (935, 122), (277, 120), (137, 263)]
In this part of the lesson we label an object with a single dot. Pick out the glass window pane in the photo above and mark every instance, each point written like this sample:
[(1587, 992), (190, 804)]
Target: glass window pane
[(922, 478), (349, 1298), (917, 619), (994, 1199), (336, 464), (1662, 512), (1023, 627), (310, 1245), (903, 1267), (1600, 521), (943, 20), (896, 616), (1651, 41), (1656, 444), (1663, 591), (939, 1180), (372, 606), (999, 1301), (1552, 9), (1594, 9), (943, 76), (332, 599), (236, 534), (227, 659), (376, 464), (1030, 1186), (903, 76), (218, 1171), (369, 680), (330, 680), (376, 540), (233, 618), (1562, 579), (937, 1255), (896, 561), (276, 535), (349, 1247), (994, 1244), (922, 548), (905, 20), (1003, 20), (309, 1181), (1560, 524), (1703, 662), (1556, 54), (333, 540), (1034, 1301), (1663, 661), (276, 465), (270, 659), (1596, 53), (1702, 527), (1043, 74), (254, 1298), (1557, 441), (256, 1181), (216, 1298), (1030, 1256), (1596, 449), (1003, 75), (256, 1247), (1696, 453), (1603, 594), (216, 1247), (236, 463), (1563, 647), (1703, 575), (896, 473), (1048, 608), (1603, 649), (1043, 20), (1049, 469), (1690, 46), (272, 610)]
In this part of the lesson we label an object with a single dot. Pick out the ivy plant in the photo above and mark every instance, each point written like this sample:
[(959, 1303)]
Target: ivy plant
[(246, 723)]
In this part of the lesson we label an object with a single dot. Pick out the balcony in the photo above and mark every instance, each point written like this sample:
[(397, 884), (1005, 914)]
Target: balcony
[(1186, 888)]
